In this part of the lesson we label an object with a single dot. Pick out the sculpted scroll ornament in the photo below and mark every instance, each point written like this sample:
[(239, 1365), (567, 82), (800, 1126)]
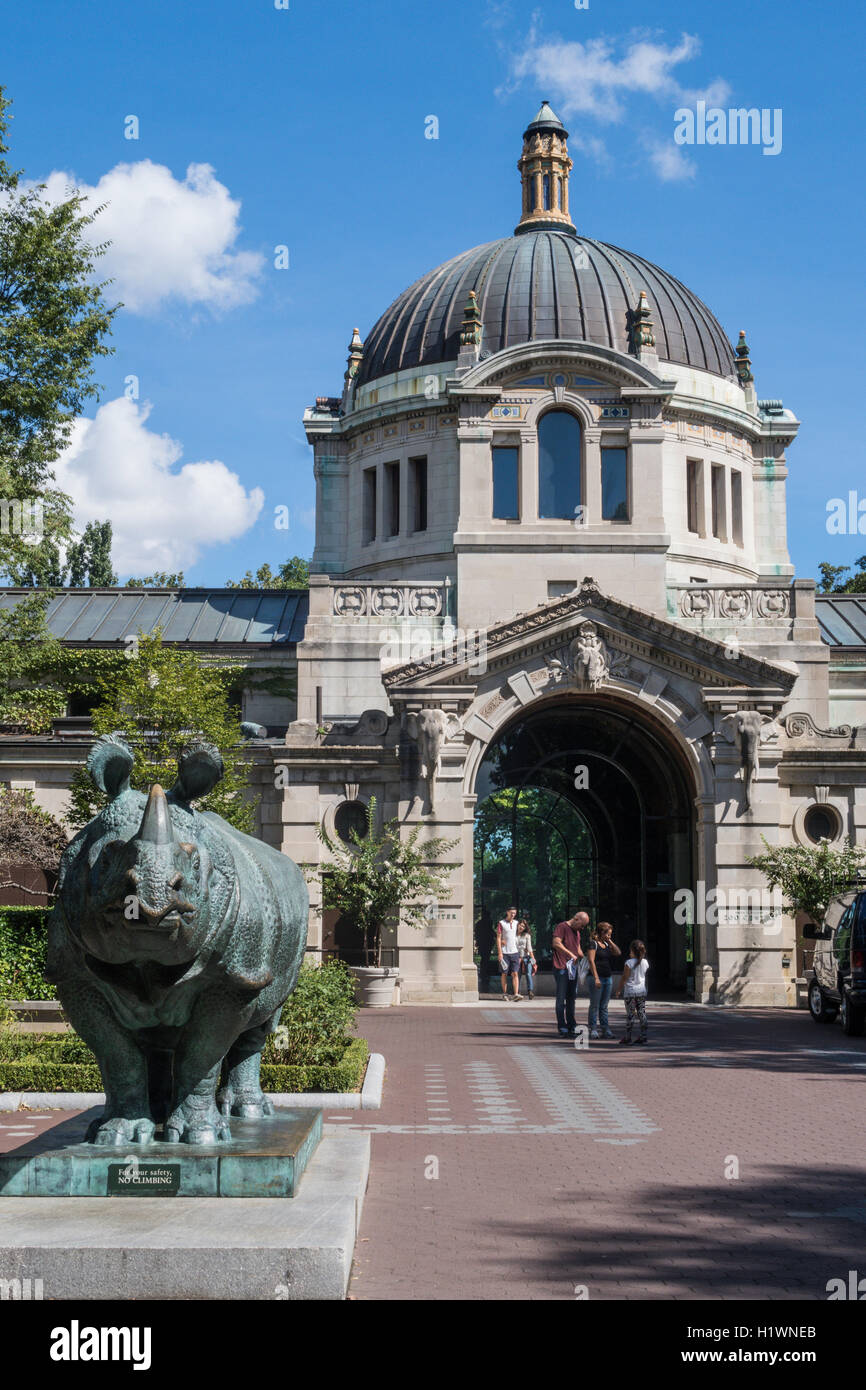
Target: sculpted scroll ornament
[(773, 603), (735, 603), (387, 602), (697, 603), (425, 603), (804, 726), (350, 603)]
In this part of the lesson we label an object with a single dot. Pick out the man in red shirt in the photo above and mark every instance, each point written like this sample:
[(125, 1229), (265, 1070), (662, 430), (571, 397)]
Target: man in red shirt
[(566, 954)]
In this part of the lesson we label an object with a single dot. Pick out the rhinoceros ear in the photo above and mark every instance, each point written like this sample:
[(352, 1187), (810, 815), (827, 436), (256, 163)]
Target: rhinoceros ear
[(110, 763), (199, 768)]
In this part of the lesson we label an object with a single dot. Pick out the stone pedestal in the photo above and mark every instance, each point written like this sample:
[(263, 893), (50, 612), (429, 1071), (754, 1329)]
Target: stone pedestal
[(265, 1158), (182, 1248)]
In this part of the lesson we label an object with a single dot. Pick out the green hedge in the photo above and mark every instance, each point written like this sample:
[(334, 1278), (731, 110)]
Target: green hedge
[(23, 946), (33, 1070)]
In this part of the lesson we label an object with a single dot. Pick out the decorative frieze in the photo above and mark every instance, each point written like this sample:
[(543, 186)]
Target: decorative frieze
[(733, 604), (387, 601)]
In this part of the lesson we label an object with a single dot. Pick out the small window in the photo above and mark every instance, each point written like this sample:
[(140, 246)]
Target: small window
[(350, 820), (822, 823), (418, 475), (370, 505), (717, 483), (736, 507), (392, 498), (695, 495), (545, 192), (614, 484), (505, 472), (558, 465)]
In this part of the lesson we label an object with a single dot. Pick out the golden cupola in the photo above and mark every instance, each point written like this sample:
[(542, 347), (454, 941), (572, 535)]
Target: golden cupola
[(544, 168)]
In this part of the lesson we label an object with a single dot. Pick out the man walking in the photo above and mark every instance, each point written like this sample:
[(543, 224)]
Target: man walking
[(566, 954), (508, 952)]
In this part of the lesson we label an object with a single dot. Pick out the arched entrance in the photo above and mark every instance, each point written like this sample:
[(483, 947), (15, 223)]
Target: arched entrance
[(585, 803)]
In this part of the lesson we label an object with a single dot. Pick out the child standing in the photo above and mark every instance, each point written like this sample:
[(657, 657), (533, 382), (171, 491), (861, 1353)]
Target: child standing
[(633, 988)]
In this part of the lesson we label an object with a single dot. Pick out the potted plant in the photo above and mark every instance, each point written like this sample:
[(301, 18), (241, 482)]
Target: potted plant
[(380, 877)]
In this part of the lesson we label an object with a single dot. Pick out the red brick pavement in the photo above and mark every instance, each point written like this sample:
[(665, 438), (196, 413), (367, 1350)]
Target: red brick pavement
[(526, 1214), (637, 1205)]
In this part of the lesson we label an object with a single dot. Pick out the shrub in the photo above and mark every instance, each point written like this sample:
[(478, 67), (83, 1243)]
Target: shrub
[(23, 946), (316, 1018), (63, 1062)]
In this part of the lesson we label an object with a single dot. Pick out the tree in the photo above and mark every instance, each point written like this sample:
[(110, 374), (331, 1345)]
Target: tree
[(294, 574), (160, 700), (382, 877), (810, 876), (159, 580), (832, 581), (53, 323), (90, 558), (28, 835), (29, 654)]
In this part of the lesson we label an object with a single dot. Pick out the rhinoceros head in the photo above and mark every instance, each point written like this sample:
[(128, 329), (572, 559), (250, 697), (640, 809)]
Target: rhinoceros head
[(147, 888)]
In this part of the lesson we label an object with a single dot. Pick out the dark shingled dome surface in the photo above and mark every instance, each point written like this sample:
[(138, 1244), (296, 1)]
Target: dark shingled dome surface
[(544, 284)]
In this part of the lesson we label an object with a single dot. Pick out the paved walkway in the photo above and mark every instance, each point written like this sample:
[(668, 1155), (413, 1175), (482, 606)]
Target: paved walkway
[(509, 1164)]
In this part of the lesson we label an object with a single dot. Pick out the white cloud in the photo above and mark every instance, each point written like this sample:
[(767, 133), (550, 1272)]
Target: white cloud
[(162, 517), (603, 79), (171, 239), (669, 161), (589, 79)]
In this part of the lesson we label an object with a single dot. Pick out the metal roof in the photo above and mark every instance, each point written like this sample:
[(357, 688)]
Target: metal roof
[(544, 284), (842, 619), (257, 617)]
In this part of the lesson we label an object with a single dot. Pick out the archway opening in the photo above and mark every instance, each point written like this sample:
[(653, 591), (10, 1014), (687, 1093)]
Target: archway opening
[(585, 804)]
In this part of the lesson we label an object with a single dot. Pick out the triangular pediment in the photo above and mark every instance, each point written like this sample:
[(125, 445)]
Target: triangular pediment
[(629, 636)]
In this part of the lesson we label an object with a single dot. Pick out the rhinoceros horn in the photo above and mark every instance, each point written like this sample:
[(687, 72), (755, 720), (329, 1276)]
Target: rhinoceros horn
[(156, 827)]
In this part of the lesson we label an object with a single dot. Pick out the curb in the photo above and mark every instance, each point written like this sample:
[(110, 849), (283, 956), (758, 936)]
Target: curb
[(368, 1098)]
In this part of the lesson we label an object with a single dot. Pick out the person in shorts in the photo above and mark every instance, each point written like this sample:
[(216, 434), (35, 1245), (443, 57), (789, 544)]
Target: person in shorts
[(509, 952)]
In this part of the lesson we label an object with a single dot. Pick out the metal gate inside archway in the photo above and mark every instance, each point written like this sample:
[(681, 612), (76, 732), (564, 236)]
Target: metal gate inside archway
[(583, 804)]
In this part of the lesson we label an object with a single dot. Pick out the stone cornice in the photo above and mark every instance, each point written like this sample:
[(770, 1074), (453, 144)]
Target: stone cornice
[(540, 625)]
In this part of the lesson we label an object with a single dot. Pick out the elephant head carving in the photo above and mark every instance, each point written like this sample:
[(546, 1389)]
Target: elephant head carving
[(429, 728), (748, 729)]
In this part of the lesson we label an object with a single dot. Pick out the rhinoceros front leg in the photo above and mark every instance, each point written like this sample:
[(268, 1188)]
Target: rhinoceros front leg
[(242, 1093), (127, 1117), (209, 1035)]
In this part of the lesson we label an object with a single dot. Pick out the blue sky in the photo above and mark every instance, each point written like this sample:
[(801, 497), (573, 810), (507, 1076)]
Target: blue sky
[(312, 119)]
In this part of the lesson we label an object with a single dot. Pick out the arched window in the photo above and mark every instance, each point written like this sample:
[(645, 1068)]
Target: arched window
[(545, 192), (558, 464)]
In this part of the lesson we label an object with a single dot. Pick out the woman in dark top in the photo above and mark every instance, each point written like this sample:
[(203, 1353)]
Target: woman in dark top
[(601, 955)]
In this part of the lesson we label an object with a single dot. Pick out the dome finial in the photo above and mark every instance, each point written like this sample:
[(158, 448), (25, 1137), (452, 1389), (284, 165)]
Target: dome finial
[(743, 360), (642, 335), (544, 168), (356, 356)]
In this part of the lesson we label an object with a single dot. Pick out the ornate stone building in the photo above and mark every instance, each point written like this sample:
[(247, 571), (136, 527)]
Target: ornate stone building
[(551, 584), (551, 554)]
